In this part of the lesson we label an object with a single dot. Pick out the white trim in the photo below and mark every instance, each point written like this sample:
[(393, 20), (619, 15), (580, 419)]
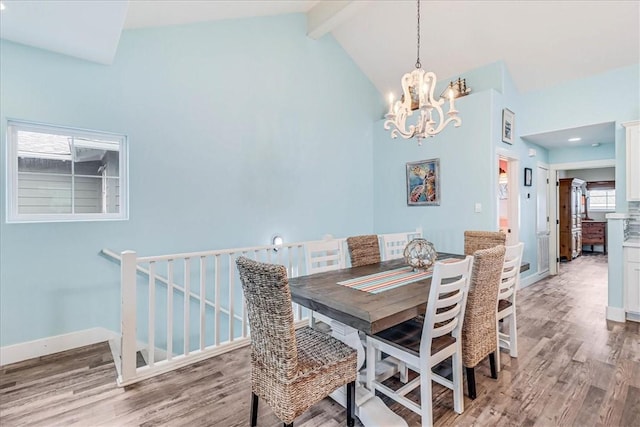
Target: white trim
[(531, 279), (50, 345), (616, 314), (634, 317)]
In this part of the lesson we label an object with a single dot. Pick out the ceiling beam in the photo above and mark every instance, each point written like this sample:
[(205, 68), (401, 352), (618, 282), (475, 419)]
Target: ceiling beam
[(327, 15)]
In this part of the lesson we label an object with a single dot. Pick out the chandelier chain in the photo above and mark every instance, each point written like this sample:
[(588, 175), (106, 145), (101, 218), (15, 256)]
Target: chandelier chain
[(418, 65)]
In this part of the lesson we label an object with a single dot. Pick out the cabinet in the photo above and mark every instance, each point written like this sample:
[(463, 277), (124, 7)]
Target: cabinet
[(570, 217), (632, 148), (594, 233), (632, 280)]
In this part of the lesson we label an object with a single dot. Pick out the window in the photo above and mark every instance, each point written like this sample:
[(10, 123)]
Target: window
[(62, 174), (602, 200)]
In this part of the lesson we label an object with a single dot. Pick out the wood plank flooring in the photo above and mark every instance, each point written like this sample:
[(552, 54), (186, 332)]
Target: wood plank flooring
[(574, 368)]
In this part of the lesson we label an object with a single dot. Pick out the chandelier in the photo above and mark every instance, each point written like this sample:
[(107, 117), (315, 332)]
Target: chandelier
[(418, 87)]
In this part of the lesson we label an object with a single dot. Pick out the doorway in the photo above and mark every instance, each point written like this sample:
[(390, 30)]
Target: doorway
[(557, 171), (508, 196)]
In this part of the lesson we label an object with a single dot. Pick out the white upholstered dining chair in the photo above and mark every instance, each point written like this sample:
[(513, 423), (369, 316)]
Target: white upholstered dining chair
[(321, 256), (422, 344), (510, 281)]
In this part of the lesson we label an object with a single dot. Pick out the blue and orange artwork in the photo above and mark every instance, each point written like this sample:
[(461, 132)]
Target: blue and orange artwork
[(422, 182)]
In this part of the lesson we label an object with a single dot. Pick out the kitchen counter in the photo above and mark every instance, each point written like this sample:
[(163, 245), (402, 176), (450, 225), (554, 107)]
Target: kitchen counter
[(632, 243)]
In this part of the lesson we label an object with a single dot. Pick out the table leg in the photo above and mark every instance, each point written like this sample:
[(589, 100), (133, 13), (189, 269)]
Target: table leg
[(370, 409)]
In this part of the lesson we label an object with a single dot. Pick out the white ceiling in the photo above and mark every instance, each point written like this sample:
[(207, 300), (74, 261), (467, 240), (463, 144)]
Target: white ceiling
[(600, 133), (543, 43)]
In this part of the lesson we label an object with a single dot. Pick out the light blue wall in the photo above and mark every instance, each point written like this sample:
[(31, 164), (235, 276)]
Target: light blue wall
[(466, 168), (582, 154), (609, 97), (469, 169), (237, 130)]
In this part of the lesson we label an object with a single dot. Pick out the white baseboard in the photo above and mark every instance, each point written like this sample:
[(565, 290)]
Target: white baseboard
[(635, 317), (50, 345), (530, 280), (616, 314)]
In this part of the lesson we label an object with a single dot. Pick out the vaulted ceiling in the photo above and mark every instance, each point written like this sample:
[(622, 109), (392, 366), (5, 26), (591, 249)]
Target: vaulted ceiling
[(543, 43)]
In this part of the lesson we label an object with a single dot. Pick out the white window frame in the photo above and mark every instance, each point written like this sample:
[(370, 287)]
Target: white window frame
[(13, 216), (607, 209)]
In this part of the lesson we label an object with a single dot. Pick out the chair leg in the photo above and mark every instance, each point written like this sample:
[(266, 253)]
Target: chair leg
[(492, 363), (351, 403), (254, 409), (471, 382), (498, 345), (425, 397), (513, 335), (458, 394)]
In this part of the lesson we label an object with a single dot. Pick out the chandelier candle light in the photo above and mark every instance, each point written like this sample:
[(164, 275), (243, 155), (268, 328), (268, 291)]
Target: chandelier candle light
[(418, 87)]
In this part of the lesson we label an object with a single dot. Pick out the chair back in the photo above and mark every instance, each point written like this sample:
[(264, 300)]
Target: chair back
[(363, 250), (394, 244), (268, 301), (479, 333), (446, 303), (511, 272), (323, 255), (476, 240)]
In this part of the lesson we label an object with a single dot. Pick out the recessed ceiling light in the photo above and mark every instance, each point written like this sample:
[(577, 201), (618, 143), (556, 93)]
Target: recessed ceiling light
[(574, 139), (2, 6)]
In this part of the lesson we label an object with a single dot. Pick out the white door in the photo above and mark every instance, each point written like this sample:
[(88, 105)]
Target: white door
[(542, 218)]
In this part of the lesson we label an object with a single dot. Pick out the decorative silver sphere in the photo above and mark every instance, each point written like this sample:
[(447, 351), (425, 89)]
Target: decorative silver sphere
[(420, 254)]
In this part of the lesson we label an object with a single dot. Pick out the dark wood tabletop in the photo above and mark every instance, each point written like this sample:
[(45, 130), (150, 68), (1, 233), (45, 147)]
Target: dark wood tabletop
[(368, 312)]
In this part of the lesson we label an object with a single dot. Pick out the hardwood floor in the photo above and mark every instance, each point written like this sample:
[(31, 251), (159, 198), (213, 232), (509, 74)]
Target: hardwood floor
[(574, 368)]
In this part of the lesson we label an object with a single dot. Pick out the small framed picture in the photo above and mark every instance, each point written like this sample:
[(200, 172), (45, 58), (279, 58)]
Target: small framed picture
[(527, 177), (423, 183), (508, 119)]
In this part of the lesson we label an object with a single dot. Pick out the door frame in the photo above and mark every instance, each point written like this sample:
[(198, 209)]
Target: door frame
[(554, 242), (513, 173)]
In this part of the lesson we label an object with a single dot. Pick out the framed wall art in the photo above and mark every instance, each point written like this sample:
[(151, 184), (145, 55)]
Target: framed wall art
[(423, 183), (528, 176), (508, 119)]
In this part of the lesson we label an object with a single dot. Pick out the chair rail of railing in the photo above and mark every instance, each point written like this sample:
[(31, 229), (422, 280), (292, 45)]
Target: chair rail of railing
[(180, 308)]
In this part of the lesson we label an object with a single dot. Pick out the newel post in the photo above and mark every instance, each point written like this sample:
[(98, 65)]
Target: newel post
[(128, 316)]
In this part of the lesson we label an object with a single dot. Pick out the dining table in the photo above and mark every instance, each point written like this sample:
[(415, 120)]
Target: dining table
[(354, 312)]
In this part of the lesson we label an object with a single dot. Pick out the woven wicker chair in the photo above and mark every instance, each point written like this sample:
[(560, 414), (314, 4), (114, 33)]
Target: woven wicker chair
[(363, 250), (479, 331), (476, 240), (507, 300), (290, 369), (423, 342)]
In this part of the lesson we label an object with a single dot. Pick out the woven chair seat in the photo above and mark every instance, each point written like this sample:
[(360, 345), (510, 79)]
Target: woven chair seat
[(318, 351), (503, 304), (407, 336)]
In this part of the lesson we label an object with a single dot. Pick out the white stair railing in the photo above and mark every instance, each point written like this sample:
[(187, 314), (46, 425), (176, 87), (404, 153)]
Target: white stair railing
[(167, 300), (181, 308)]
